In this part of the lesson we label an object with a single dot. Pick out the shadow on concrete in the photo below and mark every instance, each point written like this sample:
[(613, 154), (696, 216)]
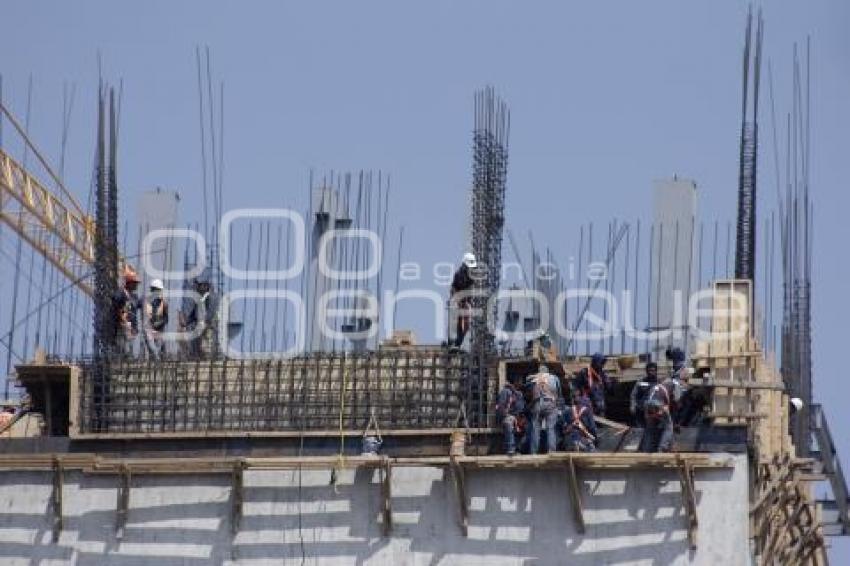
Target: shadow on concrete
[(515, 517)]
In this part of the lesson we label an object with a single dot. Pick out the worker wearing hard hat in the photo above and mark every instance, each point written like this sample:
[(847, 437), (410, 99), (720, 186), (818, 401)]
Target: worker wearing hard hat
[(200, 316), (125, 307), (459, 294), (156, 319)]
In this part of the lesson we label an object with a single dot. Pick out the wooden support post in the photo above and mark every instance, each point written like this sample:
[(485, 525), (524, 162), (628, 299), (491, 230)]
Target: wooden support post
[(689, 498), (386, 494), (123, 505), (56, 498), (460, 489), (575, 496), (236, 497)]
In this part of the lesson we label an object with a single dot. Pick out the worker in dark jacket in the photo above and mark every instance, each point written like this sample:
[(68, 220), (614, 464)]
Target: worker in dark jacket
[(125, 312), (677, 359), (594, 382), (459, 294), (510, 410), (640, 392), (200, 317), (659, 413), (579, 427)]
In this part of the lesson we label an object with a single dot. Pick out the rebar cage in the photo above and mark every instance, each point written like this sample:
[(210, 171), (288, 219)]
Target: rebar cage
[(403, 389)]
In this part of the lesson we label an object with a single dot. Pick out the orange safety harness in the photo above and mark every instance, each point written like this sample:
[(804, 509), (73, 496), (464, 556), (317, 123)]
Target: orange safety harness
[(577, 424), (593, 377), (519, 420), (659, 387)]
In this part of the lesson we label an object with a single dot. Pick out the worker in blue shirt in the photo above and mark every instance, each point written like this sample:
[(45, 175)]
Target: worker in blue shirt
[(640, 392), (594, 382), (660, 411), (510, 411), (546, 398)]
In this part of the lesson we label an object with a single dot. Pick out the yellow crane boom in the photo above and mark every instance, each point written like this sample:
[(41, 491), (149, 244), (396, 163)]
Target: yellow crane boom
[(55, 227)]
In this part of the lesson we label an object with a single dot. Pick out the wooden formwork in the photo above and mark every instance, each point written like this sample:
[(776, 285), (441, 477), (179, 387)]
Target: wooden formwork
[(746, 387), (459, 467)]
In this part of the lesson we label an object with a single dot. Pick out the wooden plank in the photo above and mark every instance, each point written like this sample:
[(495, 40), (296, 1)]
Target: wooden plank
[(386, 494), (94, 463), (237, 496), (123, 503), (459, 480), (575, 496), (609, 423), (276, 434), (744, 385), (74, 412), (689, 499), (56, 498)]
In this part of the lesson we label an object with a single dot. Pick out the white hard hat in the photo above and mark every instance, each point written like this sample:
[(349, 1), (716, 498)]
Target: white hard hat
[(157, 284), (469, 259), (797, 402)]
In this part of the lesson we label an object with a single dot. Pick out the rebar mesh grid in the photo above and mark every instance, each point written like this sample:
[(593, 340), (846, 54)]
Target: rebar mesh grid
[(328, 391)]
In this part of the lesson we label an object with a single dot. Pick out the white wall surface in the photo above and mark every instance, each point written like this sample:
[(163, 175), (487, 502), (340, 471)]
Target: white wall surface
[(516, 517)]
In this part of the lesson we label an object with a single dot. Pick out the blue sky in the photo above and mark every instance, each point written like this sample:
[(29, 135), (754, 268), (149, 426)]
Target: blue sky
[(605, 97)]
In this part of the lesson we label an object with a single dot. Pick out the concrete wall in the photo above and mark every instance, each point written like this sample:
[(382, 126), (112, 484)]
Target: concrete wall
[(516, 517), (674, 264)]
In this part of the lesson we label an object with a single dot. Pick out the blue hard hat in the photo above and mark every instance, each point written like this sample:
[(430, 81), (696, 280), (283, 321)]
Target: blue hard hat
[(597, 359)]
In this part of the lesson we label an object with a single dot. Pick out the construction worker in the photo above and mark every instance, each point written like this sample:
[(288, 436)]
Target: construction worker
[(545, 400), (125, 307), (510, 411), (594, 382), (659, 412), (155, 319), (676, 356), (201, 317), (689, 405), (640, 392), (579, 427), (462, 283)]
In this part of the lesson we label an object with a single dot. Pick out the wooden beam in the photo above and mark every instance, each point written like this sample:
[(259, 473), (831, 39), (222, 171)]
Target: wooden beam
[(237, 496), (460, 490), (123, 504), (98, 464), (689, 499), (575, 496), (386, 495), (275, 433), (780, 471), (612, 424), (56, 498), (779, 533)]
